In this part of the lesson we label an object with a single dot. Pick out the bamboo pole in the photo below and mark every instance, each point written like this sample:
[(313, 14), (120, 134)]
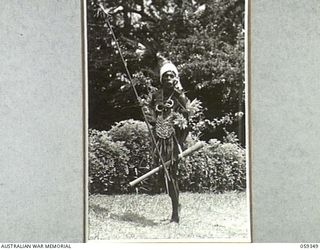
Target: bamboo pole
[(185, 153)]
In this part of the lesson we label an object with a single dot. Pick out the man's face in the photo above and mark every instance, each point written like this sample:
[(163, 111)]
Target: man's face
[(169, 79)]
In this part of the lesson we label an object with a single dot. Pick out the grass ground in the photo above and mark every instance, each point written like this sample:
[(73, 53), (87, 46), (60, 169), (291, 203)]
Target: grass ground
[(214, 217)]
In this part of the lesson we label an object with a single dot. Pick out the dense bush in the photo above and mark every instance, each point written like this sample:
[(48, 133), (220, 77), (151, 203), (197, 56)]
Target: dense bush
[(108, 163), (217, 167), (135, 137), (119, 156), (122, 154)]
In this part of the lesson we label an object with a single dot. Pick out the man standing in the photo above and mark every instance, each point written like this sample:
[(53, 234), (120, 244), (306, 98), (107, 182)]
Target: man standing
[(166, 111)]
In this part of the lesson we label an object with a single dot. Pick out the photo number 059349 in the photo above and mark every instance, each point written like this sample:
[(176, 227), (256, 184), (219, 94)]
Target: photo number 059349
[(168, 154)]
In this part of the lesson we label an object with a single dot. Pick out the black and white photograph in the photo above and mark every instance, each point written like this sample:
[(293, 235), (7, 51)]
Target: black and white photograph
[(168, 148)]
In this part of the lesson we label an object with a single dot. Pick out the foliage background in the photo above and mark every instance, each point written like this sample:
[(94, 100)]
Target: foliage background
[(122, 154), (204, 38)]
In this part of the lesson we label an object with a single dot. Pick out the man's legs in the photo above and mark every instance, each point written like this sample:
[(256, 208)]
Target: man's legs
[(174, 195)]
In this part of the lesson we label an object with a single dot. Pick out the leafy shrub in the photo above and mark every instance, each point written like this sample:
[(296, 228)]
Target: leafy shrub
[(122, 154), (108, 164), (135, 136), (119, 156), (217, 167)]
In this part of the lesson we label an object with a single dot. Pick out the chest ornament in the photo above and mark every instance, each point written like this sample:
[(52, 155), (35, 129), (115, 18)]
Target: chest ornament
[(165, 106), (164, 127)]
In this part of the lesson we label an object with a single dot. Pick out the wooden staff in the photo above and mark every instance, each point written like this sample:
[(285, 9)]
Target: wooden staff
[(185, 153), (134, 89)]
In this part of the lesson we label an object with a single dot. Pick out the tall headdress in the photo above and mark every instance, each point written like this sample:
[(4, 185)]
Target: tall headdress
[(165, 66)]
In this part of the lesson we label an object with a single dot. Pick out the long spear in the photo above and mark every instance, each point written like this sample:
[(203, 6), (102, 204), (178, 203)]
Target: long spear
[(135, 91)]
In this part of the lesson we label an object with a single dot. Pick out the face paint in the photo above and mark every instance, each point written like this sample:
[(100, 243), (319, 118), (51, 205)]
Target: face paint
[(169, 79)]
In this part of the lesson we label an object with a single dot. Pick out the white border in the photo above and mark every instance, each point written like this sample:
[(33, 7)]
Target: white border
[(247, 140), (248, 117), (86, 120)]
